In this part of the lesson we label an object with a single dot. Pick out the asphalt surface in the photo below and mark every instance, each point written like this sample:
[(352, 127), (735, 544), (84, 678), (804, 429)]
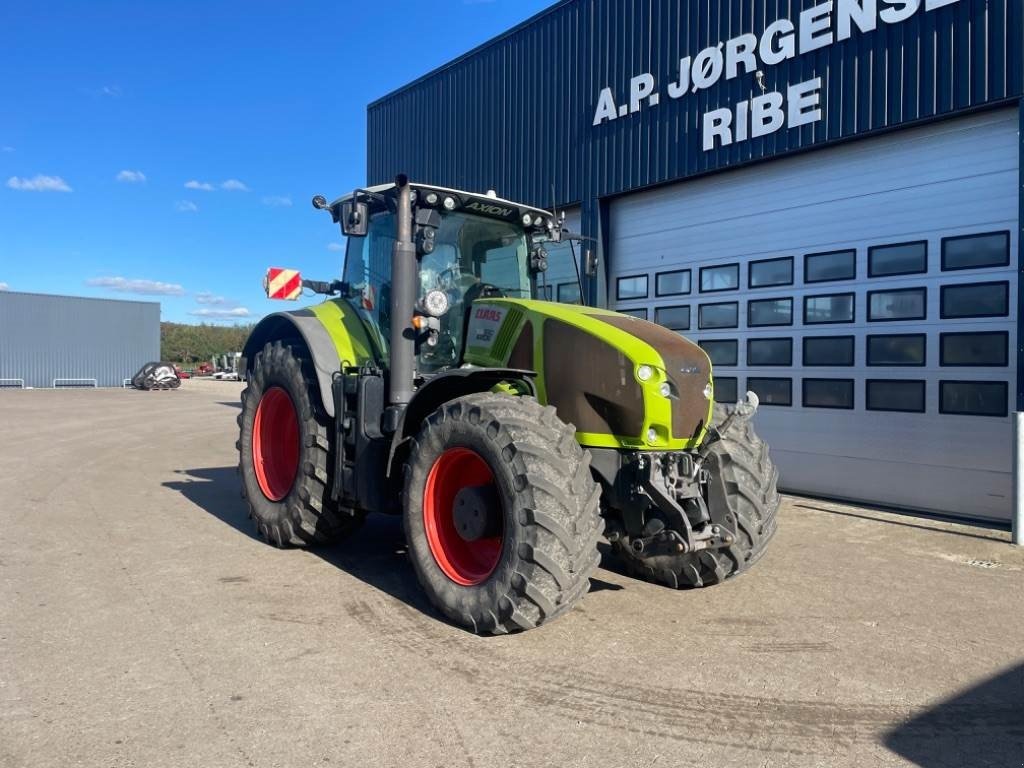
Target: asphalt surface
[(142, 624)]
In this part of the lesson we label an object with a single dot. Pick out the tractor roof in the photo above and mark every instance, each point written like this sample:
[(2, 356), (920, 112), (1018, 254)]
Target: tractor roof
[(487, 203)]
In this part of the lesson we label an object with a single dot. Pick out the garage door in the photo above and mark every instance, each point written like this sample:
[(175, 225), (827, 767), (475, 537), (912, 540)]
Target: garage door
[(867, 293)]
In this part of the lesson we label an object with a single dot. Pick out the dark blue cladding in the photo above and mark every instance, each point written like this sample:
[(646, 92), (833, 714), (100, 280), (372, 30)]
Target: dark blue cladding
[(518, 113)]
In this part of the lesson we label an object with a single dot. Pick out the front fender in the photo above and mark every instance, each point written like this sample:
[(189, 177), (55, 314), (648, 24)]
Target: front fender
[(449, 385), (333, 334)]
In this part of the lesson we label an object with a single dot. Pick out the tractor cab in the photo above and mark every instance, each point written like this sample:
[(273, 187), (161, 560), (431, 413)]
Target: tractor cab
[(468, 247)]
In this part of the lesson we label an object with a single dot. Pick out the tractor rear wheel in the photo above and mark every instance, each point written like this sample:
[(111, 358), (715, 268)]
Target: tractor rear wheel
[(501, 513), (750, 480), (286, 454)]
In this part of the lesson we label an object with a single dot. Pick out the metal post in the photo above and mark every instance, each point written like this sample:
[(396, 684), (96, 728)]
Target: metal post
[(404, 287), (1017, 524)]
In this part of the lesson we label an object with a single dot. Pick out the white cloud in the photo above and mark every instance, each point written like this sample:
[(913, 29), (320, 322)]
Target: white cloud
[(39, 183), (4, 287), (203, 185), (277, 201), (131, 177), (207, 297), (6, 148), (234, 185), (113, 91), (144, 287), (221, 314), (335, 247), (186, 206)]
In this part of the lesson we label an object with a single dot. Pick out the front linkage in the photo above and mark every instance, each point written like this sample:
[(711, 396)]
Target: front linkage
[(674, 504)]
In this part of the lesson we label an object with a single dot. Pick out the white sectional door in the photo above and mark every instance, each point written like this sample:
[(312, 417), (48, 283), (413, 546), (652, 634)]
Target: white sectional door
[(866, 292)]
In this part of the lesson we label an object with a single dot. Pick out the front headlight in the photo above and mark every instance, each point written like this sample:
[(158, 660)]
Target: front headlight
[(644, 372), (435, 303)]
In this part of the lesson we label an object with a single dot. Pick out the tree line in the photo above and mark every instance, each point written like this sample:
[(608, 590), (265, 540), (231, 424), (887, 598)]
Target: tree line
[(187, 344)]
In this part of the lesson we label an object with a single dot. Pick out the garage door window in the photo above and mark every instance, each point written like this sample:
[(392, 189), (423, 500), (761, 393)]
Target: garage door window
[(724, 315), (640, 312), (771, 390), (673, 318), (828, 393), (569, 293), (979, 349), (976, 300), (633, 287), (726, 389), (675, 283), (834, 265), (769, 312), (973, 398), (904, 304), (724, 278), (897, 349), (769, 352), (991, 249), (721, 351), (830, 308), (770, 272), (899, 259), (828, 350), (895, 395)]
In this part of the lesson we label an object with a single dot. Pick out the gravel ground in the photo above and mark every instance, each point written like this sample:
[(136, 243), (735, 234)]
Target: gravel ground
[(142, 624)]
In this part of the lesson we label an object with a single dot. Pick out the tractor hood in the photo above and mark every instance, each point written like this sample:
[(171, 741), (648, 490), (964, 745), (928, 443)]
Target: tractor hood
[(622, 381)]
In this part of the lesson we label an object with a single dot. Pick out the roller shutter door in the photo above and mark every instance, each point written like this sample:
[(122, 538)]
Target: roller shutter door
[(867, 292)]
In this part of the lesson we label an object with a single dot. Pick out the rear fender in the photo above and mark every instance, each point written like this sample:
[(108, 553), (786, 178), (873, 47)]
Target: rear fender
[(332, 333)]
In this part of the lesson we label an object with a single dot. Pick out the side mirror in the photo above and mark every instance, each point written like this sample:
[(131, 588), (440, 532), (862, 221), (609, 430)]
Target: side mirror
[(355, 218)]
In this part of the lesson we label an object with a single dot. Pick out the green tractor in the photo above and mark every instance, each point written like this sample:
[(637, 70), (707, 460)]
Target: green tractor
[(440, 382)]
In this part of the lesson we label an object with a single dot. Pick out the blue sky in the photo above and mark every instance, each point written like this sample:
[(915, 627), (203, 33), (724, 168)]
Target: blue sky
[(168, 151)]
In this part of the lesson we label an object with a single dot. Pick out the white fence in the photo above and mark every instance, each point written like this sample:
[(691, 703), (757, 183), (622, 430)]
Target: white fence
[(69, 383), (12, 383)]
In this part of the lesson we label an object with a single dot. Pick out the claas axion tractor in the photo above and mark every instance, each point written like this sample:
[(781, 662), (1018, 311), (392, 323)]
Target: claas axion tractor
[(441, 382)]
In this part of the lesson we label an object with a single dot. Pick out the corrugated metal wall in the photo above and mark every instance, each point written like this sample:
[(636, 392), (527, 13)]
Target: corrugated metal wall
[(516, 114), (44, 337)]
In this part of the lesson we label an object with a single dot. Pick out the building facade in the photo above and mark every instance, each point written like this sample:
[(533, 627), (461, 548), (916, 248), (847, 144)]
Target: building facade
[(68, 341), (825, 195)]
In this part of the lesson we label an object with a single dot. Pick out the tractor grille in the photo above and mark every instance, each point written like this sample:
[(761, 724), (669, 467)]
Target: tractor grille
[(508, 333)]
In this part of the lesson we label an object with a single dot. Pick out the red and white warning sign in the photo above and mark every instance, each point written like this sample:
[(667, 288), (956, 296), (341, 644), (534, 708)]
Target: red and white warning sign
[(283, 283)]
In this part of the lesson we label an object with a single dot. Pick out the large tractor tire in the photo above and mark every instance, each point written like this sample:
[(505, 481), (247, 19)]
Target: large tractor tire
[(501, 513), (750, 481), (285, 453)]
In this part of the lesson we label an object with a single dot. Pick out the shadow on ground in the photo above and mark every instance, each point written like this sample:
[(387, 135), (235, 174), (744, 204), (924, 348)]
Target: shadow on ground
[(983, 726), (376, 554)]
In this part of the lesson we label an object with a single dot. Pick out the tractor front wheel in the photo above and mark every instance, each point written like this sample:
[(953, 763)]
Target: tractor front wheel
[(501, 513), (286, 453)]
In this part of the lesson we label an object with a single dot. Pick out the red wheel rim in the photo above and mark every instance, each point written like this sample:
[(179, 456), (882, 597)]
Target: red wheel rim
[(464, 562), (275, 444)]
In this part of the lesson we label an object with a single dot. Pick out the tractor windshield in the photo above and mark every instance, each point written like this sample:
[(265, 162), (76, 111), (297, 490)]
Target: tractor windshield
[(474, 256)]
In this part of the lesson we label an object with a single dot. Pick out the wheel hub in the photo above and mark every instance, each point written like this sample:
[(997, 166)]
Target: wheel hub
[(463, 516), (477, 512)]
